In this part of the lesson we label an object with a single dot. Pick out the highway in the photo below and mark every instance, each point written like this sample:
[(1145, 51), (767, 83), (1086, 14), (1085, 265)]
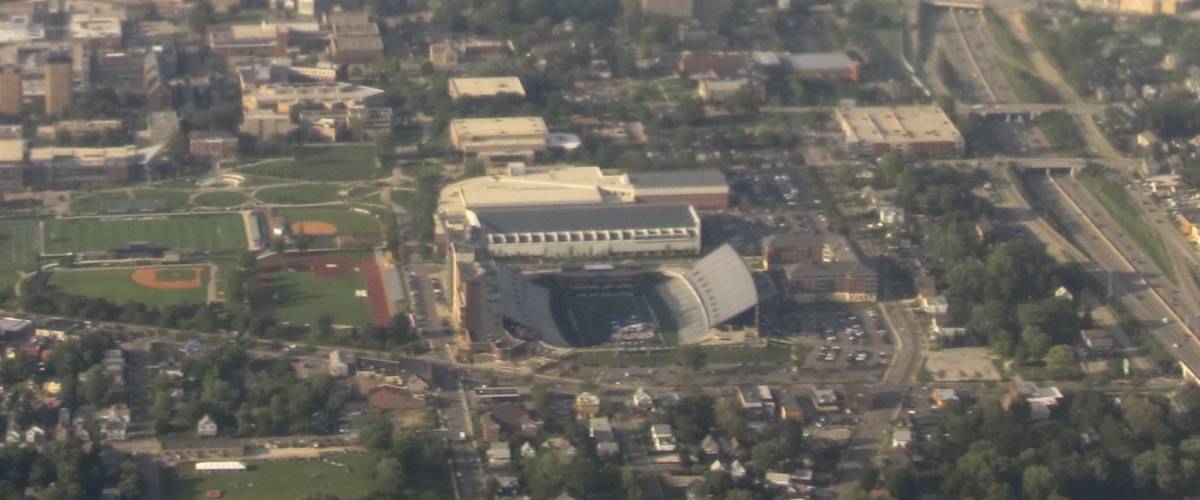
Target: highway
[(1135, 281)]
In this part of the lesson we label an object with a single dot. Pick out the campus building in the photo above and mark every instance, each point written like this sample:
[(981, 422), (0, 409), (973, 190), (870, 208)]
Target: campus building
[(281, 97), (681, 9), (58, 86), (820, 268), (76, 168), (12, 156), (449, 54), (11, 97), (601, 230), (353, 38), (497, 139), (705, 189), (1138, 7), (909, 131), (486, 87)]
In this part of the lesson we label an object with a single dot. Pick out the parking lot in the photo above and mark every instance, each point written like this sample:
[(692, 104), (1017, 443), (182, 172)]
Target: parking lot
[(838, 337), (425, 293)]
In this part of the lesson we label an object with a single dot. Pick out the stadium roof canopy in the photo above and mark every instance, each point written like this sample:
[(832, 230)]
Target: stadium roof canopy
[(724, 284)]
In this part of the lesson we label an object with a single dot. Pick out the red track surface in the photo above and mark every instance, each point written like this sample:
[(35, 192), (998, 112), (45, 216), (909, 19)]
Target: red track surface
[(375, 290)]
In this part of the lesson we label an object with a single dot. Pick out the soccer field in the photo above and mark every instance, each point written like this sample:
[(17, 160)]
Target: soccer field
[(284, 480), (301, 297), (117, 286), (223, 232), (18, 249)]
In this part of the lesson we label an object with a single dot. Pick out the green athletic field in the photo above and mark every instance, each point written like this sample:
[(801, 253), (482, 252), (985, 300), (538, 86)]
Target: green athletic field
[(283, 480), (116, 286), (221, 232), (298, 194), (301, 297), (324, 163), (348, 222), (18, 249)]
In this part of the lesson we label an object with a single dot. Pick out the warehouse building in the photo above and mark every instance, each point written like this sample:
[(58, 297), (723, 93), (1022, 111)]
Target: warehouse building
[(499, 139), (587, 230), (486, 87), (909, 131)]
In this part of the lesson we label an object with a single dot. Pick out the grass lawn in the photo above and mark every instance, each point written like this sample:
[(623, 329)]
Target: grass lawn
[(18, 249), (203, 233), (154, 200), (298, 195), (348, 221), (300, 297), (1062, 132), (116, 286), (325, 163), (220, 199), (1117, 202), (283, 480)]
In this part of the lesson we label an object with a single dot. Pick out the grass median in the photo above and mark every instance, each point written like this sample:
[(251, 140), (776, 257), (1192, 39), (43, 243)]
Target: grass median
[(1117, 202)]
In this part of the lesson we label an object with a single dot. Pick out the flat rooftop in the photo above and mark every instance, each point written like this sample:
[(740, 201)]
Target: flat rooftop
[(897, 124), (584, 218), (707, 180), (486, 87), (499, 127)]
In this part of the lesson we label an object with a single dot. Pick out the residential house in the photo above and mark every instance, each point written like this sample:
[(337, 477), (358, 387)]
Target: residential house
[(499, 455), (601, 431), (206, 427), (663, 439), (587, 405)]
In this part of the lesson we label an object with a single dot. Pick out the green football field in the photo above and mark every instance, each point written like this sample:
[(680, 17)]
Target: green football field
[(221, 232), (117, 286), (18, 249), (301, 297), (345, 476)]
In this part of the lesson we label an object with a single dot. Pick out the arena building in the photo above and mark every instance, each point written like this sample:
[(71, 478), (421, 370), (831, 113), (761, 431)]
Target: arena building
[(523, 186), (592, 304), (599, 230)]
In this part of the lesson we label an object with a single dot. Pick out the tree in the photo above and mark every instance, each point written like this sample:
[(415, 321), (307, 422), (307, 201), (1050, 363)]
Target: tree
[(201, 16), (325, 326), (389, 476), (95, 387), (1038, 482), (730, 418), (1060, 362), (692, 357)]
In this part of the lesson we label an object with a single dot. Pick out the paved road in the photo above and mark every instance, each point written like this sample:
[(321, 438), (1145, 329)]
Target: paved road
[(1016, 209), (1136, 282)]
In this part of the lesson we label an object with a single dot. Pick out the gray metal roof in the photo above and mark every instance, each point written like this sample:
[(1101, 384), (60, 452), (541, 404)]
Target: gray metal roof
[(583, 218), (724, 284), (678, 178)]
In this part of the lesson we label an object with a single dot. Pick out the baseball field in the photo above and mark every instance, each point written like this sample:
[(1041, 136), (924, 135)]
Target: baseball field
[(157, 286), (218, 232), (351, 228)]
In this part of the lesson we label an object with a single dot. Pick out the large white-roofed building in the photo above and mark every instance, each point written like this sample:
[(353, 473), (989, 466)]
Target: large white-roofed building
[(586, 230), (486, 87), (511, 138), (910, 131), (704, 189)]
